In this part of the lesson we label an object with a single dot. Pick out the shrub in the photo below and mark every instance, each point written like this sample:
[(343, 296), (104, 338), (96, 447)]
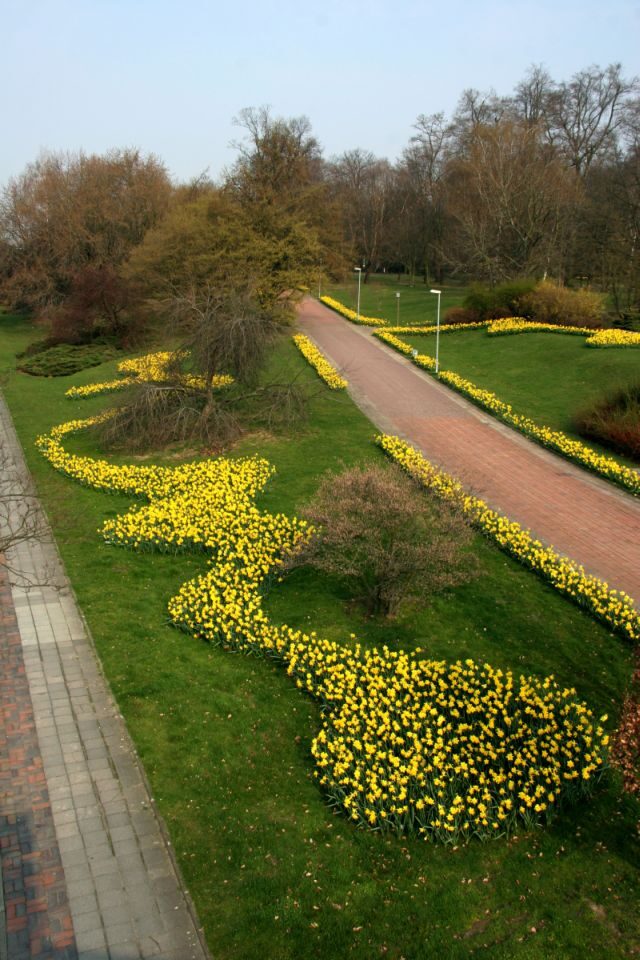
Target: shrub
[(614, 421), (495, 303), (625, 746), (460, 315), (98, 303), (378, 531), (552, 303), (65, 359)]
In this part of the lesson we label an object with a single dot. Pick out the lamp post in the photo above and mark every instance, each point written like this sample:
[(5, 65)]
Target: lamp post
[(397, 309), (438, 292), (359, 272)]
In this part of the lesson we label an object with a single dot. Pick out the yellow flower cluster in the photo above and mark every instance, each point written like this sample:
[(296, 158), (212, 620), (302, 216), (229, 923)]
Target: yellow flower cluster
[(614, 338), (613, 607), (351, 314), (594, 338), (444, 327), (151, 368), (574, 450), (498, 328), (450, 751), (320, 364), (94, 389)]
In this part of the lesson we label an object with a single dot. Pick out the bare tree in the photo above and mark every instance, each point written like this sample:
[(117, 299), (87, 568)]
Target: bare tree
[(510, 196), (532, 95), (364, 187), (584, 116), (67, 212)]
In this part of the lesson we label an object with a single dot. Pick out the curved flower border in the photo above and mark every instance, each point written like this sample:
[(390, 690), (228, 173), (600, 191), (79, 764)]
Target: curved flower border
[(319, 362), (613, 607), (150, 368), (448, 751)]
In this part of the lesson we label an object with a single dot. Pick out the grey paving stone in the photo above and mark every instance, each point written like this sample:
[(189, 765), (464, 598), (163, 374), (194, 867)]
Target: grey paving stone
[(91, 920), (84, 904), (91, 940), (95, 781), (119, 932)]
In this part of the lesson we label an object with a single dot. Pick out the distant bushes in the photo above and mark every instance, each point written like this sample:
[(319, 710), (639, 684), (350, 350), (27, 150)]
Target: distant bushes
[(552, 303), (542, 301), (495, 303), (459, 315), (614, 421)]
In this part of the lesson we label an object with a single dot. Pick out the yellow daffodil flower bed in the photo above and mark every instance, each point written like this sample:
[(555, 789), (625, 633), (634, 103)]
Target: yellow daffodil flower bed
[(351, 314), (497, 328), (321, 365), (152, 368), (594, 338), (444, 327), (614, 608), (614, 338), (574, 450), (448, 751)]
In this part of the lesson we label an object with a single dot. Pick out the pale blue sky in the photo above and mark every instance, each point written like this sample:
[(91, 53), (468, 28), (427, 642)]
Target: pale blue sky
[(169, 76)]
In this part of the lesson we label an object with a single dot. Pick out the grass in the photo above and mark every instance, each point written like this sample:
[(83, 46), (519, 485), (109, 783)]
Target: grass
[(378, 298), (548, 377), (225, 739)]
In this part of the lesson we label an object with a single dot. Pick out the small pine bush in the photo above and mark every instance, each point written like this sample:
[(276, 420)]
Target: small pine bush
[(65, 359)]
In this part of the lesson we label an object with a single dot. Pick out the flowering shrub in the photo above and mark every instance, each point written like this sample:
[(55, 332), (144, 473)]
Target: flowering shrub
[(553, 439), (320, 364), (151, 368), (351, 314), (612, 607), (449, 751)]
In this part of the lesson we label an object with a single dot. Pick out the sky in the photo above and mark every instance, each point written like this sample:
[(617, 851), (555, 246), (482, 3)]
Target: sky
[(169, 76)]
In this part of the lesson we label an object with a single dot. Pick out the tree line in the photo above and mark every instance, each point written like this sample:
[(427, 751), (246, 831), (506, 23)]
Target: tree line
[(543, 182)]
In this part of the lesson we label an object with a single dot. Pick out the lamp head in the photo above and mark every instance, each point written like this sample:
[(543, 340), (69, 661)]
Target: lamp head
[(435, 291)]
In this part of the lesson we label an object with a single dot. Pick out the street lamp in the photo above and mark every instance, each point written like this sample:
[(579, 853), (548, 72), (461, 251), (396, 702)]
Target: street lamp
[(437, 330), (397, 309), (359, 272)]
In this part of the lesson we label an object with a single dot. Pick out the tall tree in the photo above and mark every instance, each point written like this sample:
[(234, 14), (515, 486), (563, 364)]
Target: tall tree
[(68, 212), (363, 187), (509, 196), (585, 115)]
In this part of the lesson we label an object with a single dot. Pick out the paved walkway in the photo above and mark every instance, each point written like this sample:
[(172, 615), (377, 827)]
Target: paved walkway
[(582, 516), (87, 871)]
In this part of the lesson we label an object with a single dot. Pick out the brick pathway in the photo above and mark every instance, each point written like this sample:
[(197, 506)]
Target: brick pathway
[(38, 921), (87, 872), (582, 516)]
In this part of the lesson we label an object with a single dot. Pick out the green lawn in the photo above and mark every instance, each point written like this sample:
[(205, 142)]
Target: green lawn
[(378, 298), (225, 739)]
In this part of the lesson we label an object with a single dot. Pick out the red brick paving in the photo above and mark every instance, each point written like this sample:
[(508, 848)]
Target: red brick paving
[(583, 517), (38, 921)]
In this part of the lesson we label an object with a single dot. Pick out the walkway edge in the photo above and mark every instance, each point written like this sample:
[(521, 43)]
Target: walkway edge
[(112, 839)]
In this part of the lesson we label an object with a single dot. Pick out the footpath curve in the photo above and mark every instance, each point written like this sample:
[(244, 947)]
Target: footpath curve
[(583, 517)]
